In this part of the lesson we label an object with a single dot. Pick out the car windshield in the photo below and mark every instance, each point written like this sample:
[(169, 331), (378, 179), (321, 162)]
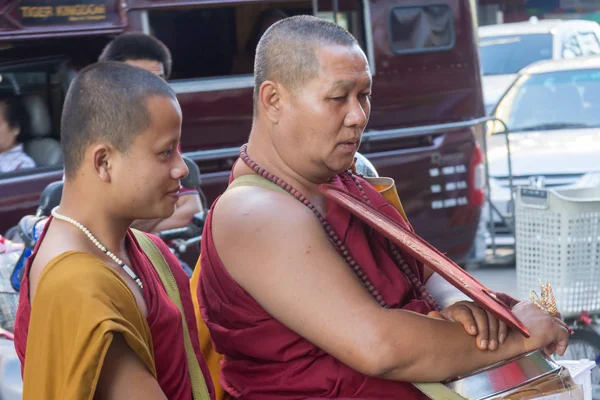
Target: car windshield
[(509, 54), (552, 100)]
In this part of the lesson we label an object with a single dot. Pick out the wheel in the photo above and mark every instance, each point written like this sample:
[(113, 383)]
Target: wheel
[(585, 344)]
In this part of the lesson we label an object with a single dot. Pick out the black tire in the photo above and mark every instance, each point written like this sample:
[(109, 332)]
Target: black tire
[(585, 343)]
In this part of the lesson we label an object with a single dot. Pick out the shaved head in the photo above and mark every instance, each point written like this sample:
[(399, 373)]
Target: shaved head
[(107, 102), (286, 53)]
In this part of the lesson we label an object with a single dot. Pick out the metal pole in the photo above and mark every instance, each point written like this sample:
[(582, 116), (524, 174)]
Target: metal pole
[(336, 8), (510, 182), (491, 227), (315, 7)]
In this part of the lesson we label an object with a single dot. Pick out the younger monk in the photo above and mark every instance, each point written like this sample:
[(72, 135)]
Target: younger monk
[(303, 299), (94, 319), (147, 52)]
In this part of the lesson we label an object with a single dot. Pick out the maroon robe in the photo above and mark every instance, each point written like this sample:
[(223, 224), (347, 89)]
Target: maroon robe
[(164, 320), (265, 360)]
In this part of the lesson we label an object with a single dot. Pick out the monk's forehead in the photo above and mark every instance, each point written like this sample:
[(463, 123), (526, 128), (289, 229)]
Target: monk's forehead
[(342, 66)]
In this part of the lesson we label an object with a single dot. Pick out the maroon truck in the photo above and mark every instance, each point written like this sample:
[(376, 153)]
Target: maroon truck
[(426, 86)]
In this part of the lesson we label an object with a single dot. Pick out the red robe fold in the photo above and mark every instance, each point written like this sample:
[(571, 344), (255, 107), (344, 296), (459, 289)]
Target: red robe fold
[(164, 320), (265, 360)]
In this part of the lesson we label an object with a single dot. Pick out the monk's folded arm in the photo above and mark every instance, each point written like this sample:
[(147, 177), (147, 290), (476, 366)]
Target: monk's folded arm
[(124, 375), (278, 252)]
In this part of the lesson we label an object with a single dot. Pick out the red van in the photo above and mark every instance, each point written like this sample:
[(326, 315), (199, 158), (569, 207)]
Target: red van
[(427, 93)]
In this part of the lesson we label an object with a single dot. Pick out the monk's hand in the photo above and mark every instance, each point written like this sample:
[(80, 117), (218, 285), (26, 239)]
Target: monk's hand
[(488, 330), (506, 299)]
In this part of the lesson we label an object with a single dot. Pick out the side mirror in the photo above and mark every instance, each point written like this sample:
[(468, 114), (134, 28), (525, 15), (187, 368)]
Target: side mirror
[(50, 198), (192, 180), (199, 219), (364, 167)]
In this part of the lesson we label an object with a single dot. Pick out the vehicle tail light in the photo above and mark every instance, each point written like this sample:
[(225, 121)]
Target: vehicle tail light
[(477, 178)]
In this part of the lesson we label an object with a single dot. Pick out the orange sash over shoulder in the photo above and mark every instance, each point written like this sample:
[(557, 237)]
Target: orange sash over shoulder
[(212, 358), (86, 303)]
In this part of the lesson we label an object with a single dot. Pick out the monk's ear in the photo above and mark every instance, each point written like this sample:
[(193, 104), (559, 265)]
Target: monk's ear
[(271, 100), (102, 157)]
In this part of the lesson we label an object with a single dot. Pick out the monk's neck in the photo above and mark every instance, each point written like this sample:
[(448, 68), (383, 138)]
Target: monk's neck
[(107, 228), (309, 187)]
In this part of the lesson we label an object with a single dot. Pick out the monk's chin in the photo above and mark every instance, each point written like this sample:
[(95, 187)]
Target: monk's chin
[(163, 213), (346, 166)]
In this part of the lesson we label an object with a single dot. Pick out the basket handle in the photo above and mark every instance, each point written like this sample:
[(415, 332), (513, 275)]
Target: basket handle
[(533, 198)]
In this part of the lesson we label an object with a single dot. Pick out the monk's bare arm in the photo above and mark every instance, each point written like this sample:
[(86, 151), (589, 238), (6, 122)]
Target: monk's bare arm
[(124, 375), (185, 208), (278, 252)]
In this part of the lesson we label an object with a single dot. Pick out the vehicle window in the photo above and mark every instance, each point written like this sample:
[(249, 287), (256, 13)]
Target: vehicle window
[(553, 100), (589, 43), (220, 42), (30, 107), (39, 73), (509, 54), (571, 48), (418, 29)]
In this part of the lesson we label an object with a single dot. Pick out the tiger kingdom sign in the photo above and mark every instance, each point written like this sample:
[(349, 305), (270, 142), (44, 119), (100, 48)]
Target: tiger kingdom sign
[(35, 12), (34, 19)]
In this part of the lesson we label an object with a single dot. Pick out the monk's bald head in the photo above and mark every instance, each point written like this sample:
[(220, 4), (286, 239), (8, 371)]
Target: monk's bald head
[(286, 53)]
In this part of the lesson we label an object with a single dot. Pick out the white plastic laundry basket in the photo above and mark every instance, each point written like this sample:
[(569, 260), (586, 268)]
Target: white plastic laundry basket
[(581, 371), (557, 236)]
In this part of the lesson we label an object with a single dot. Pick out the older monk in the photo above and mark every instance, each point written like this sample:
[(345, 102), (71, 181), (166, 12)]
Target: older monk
[(301, 298)]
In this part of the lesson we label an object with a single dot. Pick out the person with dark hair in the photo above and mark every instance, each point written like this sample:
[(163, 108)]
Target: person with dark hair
[(243, 62), (303, 299), (146, 52), (12, 117), (97, 318), (140, 50)]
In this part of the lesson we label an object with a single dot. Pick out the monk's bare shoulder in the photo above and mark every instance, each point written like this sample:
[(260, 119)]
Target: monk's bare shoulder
[(247, 220), (253, 209)]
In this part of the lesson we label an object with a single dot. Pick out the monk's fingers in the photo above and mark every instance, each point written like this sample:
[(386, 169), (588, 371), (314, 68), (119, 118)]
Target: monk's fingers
[(502, 332), (483, 327), (475, 320), (494, 326), (435, 314), (562, 339), (461, 313), (562, 323), (561, 347), (560, 334), (550, 349)]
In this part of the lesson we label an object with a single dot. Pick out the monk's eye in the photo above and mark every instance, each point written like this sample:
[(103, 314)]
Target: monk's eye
[(167, 153)]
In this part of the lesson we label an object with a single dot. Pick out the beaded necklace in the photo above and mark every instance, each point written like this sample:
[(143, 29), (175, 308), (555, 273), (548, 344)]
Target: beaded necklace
[(337, 241), (99, 245)]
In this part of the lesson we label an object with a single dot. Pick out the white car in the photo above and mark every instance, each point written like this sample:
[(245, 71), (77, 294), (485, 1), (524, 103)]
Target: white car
[(507, 48), (552, 111)]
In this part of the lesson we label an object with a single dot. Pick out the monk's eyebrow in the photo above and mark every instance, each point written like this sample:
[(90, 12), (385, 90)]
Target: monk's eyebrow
[(343, 85), (348, 85)]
